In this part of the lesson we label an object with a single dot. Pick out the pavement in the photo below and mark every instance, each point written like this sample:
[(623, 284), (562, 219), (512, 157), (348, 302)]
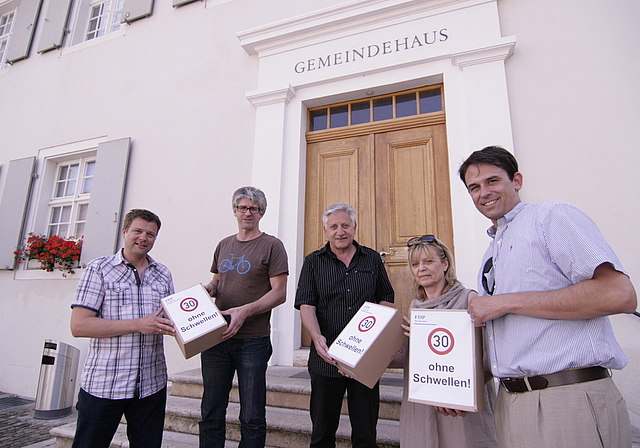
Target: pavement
[(19, 428)]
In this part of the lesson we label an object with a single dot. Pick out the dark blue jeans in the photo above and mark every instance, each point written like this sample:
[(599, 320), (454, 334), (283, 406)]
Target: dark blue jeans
[(248, 357), (98, 419), (326, 401)]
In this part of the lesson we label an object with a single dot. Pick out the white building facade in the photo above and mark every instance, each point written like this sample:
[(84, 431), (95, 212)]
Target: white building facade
[(171, 107)]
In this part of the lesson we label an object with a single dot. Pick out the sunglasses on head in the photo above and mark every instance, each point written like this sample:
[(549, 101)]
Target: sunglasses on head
[(421, 239)]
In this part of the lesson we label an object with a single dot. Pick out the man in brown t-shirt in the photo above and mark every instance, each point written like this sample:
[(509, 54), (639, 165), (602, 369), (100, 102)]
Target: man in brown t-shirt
[(250, 272)]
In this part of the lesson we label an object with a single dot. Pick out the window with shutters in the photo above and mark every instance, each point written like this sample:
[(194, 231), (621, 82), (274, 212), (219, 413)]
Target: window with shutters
[(70, 199), (17, 26), (72, 190), (6, 23), (92, 21), (104, 18), (62, 194)]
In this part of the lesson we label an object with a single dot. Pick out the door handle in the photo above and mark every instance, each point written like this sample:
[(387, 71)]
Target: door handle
[(383, 253)]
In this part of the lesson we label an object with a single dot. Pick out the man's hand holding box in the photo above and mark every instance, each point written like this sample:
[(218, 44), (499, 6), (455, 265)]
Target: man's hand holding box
[(199, 324), (367, 344)]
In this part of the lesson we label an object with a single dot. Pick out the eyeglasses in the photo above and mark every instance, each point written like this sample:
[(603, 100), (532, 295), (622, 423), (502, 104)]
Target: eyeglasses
[(252, 210), (422, 239), (488, 277)]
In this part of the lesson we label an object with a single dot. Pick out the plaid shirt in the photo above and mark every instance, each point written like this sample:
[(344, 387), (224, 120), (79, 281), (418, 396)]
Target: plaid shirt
[(118, 366)]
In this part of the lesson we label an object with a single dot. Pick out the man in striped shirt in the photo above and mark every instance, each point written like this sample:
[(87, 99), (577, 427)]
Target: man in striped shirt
[(548, 282), (334, 283), (117, 305)]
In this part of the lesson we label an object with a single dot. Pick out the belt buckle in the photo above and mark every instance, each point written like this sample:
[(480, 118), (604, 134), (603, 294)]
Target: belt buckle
[(517, 385), (512, 385)]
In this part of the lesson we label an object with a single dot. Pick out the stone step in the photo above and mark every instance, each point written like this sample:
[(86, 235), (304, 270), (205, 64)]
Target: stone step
[(301, 357), (289, 424), (289, 387), (64, 438), (287, 428)]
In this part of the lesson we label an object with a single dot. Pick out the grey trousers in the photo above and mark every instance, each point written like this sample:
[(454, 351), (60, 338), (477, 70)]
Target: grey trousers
[(585, 415)]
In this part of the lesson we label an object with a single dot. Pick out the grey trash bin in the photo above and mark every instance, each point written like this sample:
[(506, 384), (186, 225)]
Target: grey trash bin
[(57, 383)]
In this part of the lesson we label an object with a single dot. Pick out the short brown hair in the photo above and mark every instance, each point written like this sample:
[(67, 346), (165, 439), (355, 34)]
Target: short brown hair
[(140, 213)]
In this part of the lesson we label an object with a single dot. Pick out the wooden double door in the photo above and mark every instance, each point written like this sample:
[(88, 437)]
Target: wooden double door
[(396, 176)]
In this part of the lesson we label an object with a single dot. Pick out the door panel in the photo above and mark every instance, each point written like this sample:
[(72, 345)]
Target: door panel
[(398, 183), (337, 171), (412, 187)]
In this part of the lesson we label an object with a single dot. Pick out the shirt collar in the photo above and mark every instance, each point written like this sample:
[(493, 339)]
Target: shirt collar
[(507, 218), (119, 258), (327, 249)]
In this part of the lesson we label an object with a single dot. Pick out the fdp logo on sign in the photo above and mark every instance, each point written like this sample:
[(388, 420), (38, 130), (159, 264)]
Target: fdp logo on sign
[(440, 341), (188, 304), (367, 323)]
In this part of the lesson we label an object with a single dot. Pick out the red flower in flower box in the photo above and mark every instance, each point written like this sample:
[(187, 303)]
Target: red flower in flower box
[(52, 252)]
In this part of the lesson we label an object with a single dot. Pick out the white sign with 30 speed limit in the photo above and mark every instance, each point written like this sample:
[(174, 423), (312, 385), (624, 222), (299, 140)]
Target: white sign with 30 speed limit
[(445, 360)]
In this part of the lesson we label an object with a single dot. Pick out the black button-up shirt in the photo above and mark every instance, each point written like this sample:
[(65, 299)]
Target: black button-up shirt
[(338, 291)]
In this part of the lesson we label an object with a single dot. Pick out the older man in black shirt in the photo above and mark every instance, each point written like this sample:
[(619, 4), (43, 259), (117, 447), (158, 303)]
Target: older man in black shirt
[(334, 283)]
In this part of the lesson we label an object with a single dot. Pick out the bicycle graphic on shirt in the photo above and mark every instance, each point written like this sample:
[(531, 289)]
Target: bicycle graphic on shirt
[(241, 265)]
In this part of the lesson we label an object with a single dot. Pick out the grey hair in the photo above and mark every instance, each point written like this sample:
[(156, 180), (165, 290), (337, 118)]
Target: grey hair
[(339, 207), (253, 194)]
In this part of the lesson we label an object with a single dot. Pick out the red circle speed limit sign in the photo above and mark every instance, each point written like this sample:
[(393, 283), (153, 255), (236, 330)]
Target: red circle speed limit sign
[(188, 304), (440, 341), (367, 323)]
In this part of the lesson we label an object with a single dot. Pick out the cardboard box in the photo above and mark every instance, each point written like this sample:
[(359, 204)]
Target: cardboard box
[(368, 343), (198, 321), (445, 360)]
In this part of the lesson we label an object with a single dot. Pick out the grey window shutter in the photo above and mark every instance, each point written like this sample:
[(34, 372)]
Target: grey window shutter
[(181, 2), (103, 219), (136, 9), (13, 208), (23, 29), (54, 26)]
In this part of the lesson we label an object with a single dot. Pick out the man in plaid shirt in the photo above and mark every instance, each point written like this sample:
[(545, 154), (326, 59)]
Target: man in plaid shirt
[(117, 305)]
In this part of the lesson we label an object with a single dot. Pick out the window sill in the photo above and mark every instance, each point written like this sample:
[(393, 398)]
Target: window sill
[(31, 271), (90, 43), (212, 3)]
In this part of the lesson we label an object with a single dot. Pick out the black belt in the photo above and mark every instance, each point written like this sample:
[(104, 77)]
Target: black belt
[(562, 378)]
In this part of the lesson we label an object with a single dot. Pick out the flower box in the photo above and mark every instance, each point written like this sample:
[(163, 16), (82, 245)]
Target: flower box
[(50, 253)]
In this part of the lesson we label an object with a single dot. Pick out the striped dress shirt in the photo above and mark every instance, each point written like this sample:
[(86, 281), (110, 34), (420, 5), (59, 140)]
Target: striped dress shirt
[(545, 247), (121, 366), (338, 292)]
